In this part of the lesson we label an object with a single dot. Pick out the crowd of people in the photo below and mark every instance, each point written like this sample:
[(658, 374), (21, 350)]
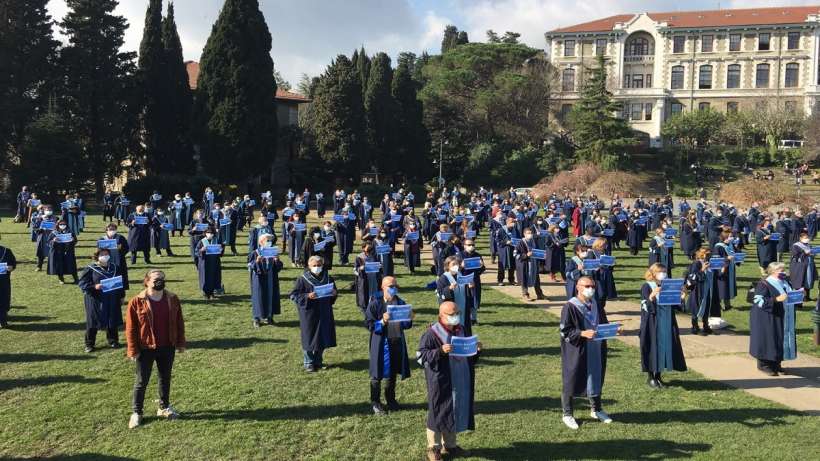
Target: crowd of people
[(567, 239)]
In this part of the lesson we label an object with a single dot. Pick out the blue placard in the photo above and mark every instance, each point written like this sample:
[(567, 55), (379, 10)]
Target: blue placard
[(372, 231), (442, 217), (465, 279), (351, 216), (411, 236), (608, 232), (126, 202), (269, 252), (323, 291), (200, 227), (539, 254), (372, 267), (107, 244), (640, 221), (271, 216), (300, 206), (444, 236), (47, 225), (111, 284), (554, 221), (338, 218), (668, 243), (66, 204), (317, 247), (815, 250), (400, 313), (396, 217), (775, 237), (740, 257), (166, 226), (178, 206), (591, 264), (716, 263), (34, 203), (299, 227), (470, 234), (140, 220), (64, 238), (215, 214), (464, 346), (251, 203), (514, 241), (383, 250), (4, 268), (472, 263), (213, 249), (224, 222), (670, 232), (795, 297), (670, 292), (287, 213), (606, 331), (458, 218), (607, 260)]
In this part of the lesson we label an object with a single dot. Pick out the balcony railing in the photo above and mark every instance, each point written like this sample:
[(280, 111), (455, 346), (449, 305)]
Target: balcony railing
[(644, 58)]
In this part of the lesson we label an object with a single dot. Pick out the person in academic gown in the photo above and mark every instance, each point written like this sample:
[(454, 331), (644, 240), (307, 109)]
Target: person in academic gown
[(227, 232), (412, 248), (386, 259), (605, 288), (103, 310), (320, 205), (659, 336), (329, 237), (766, 248), (160, 237), (469, 252), (61, 258), (176, 215), (526, 266), (43, 236), (727, 279), (449, 289), (556, 262), (318, 328), (313, 236), (139, 235), (690, 239), (123, 208), (188, 214), (450, 384), (209, 265), (802, 270), (261, 228), (439, 243), (583, 359), (345, 235), (703, 300), (7, 257), (22, 199), (119, 257), (196, 235), (71, 215), (388, 346), (367, 285), (108, 206), (659, 253), (784, 228), (575, 270), (771, 322), (264, 275), (506, 257)]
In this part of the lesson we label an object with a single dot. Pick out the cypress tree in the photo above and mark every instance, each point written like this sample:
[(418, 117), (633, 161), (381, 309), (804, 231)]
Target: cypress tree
[(450, 39), (413, 144), (379, 113), (153, 74), (238, 93), (363, 69), (179, 100)]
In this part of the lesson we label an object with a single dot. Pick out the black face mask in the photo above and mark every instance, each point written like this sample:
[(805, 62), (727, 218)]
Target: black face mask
[(159, 285)]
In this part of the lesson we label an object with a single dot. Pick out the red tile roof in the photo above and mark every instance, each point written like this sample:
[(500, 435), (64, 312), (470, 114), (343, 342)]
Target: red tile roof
[(193, 75), (712, 18)]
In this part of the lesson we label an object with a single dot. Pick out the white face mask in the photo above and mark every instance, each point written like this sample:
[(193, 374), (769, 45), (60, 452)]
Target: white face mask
[(452, 320), (469, 247), (48, 213), (804, 240), (209, 236), (111, 234), (316, 270), (327, 228), (588, 292), (61, 226), (454, 269), (660, 276), (583, 254), (103, 259), (317, 235)]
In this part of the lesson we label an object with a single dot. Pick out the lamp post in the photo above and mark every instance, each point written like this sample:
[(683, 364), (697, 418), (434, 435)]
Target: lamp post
[(442, 142)]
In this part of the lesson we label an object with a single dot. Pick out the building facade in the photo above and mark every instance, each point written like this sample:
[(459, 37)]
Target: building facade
[(661, 64)]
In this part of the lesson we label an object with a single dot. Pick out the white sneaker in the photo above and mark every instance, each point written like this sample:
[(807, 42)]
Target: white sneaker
[(135, 421), (168, 412), (601, 416), (570, 422)]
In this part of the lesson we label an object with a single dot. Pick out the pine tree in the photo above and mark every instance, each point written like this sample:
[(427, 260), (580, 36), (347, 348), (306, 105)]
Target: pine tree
[(237, 90), (462, 38), (179, 102), (99, 87), (27, 64), (601, 136), (450, 39), (153, 75), (413, 142), (380, 110), (363, 69)]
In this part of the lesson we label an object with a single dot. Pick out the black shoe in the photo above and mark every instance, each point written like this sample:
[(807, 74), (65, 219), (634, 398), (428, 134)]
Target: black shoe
[(652, 383), (269, 321), (89, 349), (393, 406), (727, 308), (695, 329), (3, 325), (378, 410), (114, 345), (707, 330), (256, 323), (310, 369)]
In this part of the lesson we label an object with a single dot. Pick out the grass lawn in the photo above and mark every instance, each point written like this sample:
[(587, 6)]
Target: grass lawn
[(243, 395)]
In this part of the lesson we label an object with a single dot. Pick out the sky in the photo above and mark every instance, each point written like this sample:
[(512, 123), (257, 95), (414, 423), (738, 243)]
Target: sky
[(308, 34)]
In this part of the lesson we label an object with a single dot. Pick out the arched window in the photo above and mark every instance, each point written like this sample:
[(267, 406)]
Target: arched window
[(705, 77), (638, 46), (568, 80), (792, 75), (762, 76), (733, 76), (677, 77)]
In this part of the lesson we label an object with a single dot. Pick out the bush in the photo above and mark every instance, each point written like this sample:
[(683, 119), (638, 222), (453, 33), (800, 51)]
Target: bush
[(758, 156), (735, 157)]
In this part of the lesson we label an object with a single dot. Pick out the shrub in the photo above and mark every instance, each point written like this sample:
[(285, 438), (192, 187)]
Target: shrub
[(735, 157), (757, 156)]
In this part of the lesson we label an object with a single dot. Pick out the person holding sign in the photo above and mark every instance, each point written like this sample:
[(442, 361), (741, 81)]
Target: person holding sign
[(440, 243), (261, 228), (117, 247), (454, 286), (659, 336), (766, 244), (296, 231), (771, 322), (690, 238), (314, 294), (583, 359), (526, 266), (506, 251), (123, 208), (472, 264), (576, 269), (329, 239), (139, 234), (345, 235), (605, 288), (450, 384), (102, 285), (660, 252), (556, 262), (384, 251), (264, 267), (313, 244), (367, 281), (61, 258), (45, 226), (413, 243), (176, 215), (388, 345), (727, 282), (209, 252), (635, 233), (704, 299), (227, 227), (197, 229), (802, 270), (161, 228), (7, 264)]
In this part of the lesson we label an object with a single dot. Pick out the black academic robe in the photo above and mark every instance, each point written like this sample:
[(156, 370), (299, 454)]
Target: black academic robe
[(366, 284), (264, 277), (556, 262), (380, 348), (503, 241), (119, 257), (61, 258), (703, 291), (573, 349), (412, 251), (345, 235), (160, 238), (690, 239), (476, 277), (139, 235), (318, 328), (526, 267), (766, 249), (784, 227), (440, 411), (102, 310), (255, 233), (802, 270), (649, 334), (6, 256), (766, 324), (446, 294), (209, 268)]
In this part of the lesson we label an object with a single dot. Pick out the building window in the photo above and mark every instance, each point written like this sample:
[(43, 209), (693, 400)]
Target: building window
[(731, 107), (649, 80), (637, 111), (734, 42), (790, 106), (568, 80), (703, 105), (627, 81), (565, 109), (677, 108), (763, 42), (762, 76), (705, 77), (569, 47), (793, 40), (677, 77), (637, 81), (792, 75), (706, 43), (638, 46), (733, 76), (678, 43), (625, 110), (647, 111), (600, 46)]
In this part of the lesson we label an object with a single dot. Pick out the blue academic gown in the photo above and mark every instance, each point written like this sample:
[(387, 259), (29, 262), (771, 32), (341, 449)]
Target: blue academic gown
[(102, 310), (209, 268), (264, 286), (660, 344), (381, 366)]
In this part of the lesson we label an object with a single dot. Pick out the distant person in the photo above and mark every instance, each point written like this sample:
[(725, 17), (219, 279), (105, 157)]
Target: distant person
[(7, 258), (771, 322)]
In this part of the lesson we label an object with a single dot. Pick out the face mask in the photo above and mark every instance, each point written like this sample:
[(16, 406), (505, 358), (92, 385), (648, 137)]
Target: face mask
[(412, 226), (583, 254), (469, 247), (781, 276), (660, 276), (804, 240), (317, 235), (588, 292), (316, 270), (49, 213), (327, 228), (160, 213), (454, 269), (209, 236), (528, 236), (392, 291), (62, 226), (103, 259), (268, 244), (111, 234), (452, 320), (159, 284), (263, 223), (382, 235)]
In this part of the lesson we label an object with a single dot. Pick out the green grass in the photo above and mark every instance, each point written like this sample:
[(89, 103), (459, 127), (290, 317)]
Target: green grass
[(243, 395)]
